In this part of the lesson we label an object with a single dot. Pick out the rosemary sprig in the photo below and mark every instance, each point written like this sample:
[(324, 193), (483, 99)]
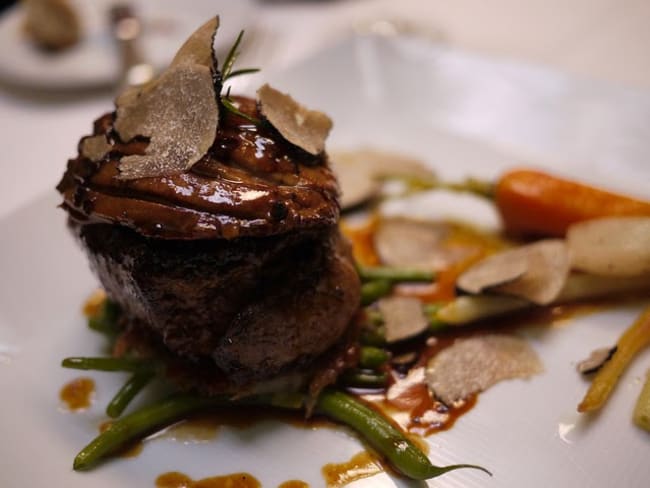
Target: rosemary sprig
[(229, 105), (244, 71), (231, 57), (226, 72)]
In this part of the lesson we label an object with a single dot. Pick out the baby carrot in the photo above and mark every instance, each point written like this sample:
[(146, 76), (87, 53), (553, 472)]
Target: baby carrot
[(535, 203)]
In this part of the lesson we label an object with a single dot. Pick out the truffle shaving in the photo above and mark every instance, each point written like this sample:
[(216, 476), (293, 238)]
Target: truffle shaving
[(199, 47), (417, 244), (536, 272), (95, 147), (474, 364), (360, 173), (302, 127), (403, 317), (596, 360), (178, 113)]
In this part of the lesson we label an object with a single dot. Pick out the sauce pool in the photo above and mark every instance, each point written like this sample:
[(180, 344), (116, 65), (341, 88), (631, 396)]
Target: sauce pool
[(174, 479), (78, 394), (361, 465)]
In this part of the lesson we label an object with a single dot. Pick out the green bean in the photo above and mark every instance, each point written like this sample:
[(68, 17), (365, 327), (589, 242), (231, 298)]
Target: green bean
[(402, 454), (394, 275), (371, 357), (140, 423), (108, 364), (372, 337), (374, 290), (105, 320), (374, 316), (131, 388), (363, 379)]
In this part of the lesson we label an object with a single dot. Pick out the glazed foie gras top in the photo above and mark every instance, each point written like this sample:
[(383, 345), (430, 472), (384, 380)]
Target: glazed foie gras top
[(178, 159)]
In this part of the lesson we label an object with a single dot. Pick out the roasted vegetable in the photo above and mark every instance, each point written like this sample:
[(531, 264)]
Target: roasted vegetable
[(633, 340), (535, 203), (401, 453)]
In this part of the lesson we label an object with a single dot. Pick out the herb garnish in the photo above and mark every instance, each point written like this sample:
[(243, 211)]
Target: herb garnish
[(226, 72)]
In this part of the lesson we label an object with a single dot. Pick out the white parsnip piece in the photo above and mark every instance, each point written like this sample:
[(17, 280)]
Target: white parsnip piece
[(578, 286), (471, 308), (474, 364), (615, 246)]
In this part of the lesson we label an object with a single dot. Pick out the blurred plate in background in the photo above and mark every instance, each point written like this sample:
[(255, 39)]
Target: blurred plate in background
[(94, 61)]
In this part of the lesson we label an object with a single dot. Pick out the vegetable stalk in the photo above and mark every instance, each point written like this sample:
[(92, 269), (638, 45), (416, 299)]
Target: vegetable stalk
[(394, 275), (374, 290), (108, 364), (131, 388), (401, 453), (372, 357), (633, 340)]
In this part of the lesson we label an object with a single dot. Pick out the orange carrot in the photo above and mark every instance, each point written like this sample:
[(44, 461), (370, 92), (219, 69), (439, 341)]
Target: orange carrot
[(536, 203)]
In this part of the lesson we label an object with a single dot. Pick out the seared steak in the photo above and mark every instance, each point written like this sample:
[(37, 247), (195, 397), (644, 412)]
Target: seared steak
[(237, 264)]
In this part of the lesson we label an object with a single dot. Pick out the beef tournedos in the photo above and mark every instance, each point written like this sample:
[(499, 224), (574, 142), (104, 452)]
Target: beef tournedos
[(233, 267)]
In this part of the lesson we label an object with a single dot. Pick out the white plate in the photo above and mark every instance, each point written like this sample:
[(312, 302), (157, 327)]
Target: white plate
[(94, 61), (429, 102)]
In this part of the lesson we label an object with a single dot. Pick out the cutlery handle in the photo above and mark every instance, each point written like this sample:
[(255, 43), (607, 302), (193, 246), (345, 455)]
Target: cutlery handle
[(126, 29)]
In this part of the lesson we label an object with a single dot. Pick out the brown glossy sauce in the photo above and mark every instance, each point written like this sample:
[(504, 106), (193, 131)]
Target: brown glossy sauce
[(175, 479), (361, 465), (78, 394), (251, 182)]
